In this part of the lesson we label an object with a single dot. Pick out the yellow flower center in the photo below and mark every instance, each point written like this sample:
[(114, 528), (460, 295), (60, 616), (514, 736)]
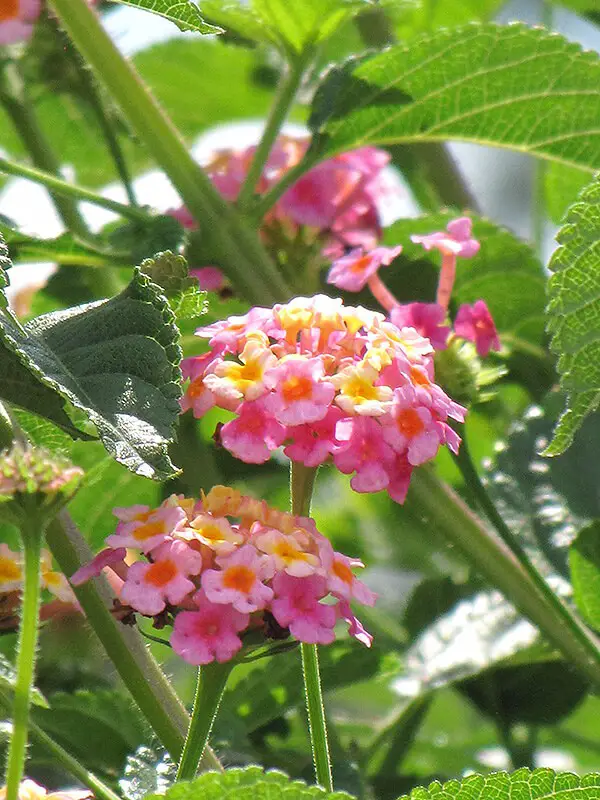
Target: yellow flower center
[(9, 571), (148, 530)]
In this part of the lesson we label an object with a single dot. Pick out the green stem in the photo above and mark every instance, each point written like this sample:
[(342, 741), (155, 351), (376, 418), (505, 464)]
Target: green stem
[(61, 188), (402, 733), (268, 200), (31, 534), (124, 646), (302, 481), (15, 101), (286, 92), (210, 687), (442, 509), (229, 242)]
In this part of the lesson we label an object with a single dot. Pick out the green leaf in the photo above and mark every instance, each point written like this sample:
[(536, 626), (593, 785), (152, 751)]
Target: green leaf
[(117, 361), (64, 249), (524, 784), (8, 679), (584, 558), (574, 313), (100, 728), (514, 87), (251, 783), (238, 18), (421, 16), (184, 13), (169, 271), (562, 184)]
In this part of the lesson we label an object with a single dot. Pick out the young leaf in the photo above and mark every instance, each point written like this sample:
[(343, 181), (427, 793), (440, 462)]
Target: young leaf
[(250, 783), (184, 13), (584, 558), (524, 784), (509, 86), (117, 361), (574, 313)]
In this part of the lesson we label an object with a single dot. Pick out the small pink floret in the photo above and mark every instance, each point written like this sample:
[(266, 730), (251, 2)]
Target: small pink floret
[(297, 607), (475, 324), (365, 451), (20, 27), (105, 558), (210, 279), (300, 393), (313, 443), (352, 271), (456, 240), (426, 318), (239, 581), (253, 434), (209, 634)]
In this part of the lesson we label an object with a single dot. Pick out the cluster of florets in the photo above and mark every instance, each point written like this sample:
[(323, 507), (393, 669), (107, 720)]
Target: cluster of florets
[(338, 200), (360, 267), (228, 566), (325, 380), (31, 470), (17, 18), (30, 790)]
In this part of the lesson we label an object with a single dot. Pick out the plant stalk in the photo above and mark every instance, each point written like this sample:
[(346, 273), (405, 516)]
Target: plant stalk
[(302, 480), (31, 534), (212, 679), (231, 244), (124, 646), (441, 508), (286, 92)]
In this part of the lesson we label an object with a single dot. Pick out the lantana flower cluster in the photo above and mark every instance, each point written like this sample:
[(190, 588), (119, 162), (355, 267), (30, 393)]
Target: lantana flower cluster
[(325, 380), (18, 18), (30, 790), (227, 566)]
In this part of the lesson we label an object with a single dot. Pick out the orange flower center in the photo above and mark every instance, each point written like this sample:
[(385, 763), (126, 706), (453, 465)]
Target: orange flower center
[(161, 573), (9, 571), (148, 530), (297, 388), (196, 389), (239, 577), (419, 377), (361, 264), (409, 423), (342, 571), (9, 9)]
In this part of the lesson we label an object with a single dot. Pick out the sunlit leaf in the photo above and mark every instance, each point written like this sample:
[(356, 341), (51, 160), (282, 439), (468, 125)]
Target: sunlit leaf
[(184, 13), (584, 559)]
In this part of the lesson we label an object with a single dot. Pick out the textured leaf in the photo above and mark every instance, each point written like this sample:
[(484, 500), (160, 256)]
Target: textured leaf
[(524, 784), (99, 728), (238, 18), (574, 313), (251, 783), (117, 361), (184, 13), (508, 86), (585, 571)]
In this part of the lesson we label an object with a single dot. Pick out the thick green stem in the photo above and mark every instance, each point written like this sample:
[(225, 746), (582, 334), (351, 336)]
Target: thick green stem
[(302, 481), (31, 534), (212, 679), (286, 92), (62, 188), (441, 508), (124, 646), (230, 243)]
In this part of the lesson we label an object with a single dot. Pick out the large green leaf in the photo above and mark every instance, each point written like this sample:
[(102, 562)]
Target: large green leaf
[(562, 184), (585, 571), (184, 13), (251, 783), (524, 784), (508, 86), (115, 362), (574, 313), (420, 16)]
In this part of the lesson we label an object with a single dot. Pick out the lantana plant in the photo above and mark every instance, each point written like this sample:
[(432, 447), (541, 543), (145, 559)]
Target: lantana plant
[(322, 299)]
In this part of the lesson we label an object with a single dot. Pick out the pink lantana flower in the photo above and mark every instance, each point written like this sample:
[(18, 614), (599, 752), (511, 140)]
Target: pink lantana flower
[(342, 582), (253, 434), (145, 528), (426, 318), (301, 393), (411, 428), (209, 634), (210, 279), (352, 271), (214, 532), (297, 607), (239, 581), (288, 552), (108, 557), (148, 587), (355, 626), (314, 443), (400, 475), (11, 570), (17, 18), (231, 382), (366, 452), (475, 324), (359, 392), (456, 240)]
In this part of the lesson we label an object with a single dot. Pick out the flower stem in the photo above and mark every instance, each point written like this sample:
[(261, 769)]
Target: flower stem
[(381, 293), (212, 679), (228, 241), (61, 188), (446, 281), (442, 509), (302, 480), (286, 92), (31, 534), (124, 646)]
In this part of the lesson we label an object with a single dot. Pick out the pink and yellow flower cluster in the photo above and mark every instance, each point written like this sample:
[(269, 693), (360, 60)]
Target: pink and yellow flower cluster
[(11, 575), (325, 380), (227, 565)]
